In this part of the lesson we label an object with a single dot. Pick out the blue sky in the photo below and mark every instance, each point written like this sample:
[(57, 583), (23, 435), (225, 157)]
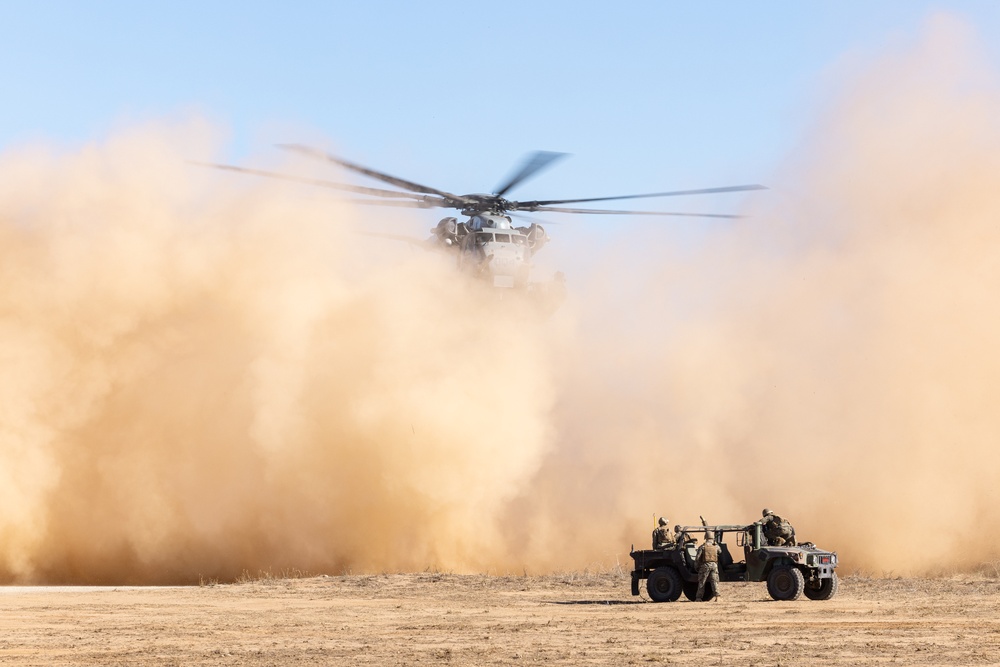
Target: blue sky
[(647, 96)]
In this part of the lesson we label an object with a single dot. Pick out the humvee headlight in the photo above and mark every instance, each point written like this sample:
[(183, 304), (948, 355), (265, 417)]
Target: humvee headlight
[(825, 560)]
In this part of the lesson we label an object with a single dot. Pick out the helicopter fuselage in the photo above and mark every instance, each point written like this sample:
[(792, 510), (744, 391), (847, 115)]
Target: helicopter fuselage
[(490, 247)]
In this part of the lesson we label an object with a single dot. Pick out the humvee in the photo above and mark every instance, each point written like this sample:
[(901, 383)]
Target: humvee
[(789, 571)]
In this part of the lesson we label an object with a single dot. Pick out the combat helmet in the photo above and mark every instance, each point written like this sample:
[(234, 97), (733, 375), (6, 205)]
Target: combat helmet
[(766, 512), (662, 521)]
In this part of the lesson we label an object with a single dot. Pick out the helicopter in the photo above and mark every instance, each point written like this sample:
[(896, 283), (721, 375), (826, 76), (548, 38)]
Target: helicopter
[(487, 245)]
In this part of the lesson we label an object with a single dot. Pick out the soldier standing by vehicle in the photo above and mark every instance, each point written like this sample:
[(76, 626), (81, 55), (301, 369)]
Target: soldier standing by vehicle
[(708, 567), (662, 539), (779, 532)]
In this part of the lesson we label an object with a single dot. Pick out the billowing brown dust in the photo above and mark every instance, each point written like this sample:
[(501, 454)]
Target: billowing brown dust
[(203, 375)]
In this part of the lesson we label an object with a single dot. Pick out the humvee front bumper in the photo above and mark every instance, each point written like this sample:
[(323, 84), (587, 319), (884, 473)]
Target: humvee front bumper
[(823, 564)]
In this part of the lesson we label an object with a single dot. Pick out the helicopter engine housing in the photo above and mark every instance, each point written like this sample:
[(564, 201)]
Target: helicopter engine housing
[(446, 231)]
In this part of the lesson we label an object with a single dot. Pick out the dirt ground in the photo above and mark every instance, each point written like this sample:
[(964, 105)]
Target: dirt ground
[(397, 619)]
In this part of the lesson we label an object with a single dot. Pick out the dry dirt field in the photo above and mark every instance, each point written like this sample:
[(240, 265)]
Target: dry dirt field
[(573, 619)]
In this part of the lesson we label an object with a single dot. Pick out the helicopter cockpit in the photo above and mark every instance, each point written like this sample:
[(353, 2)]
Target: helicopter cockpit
[(513, 237), (489, 228)]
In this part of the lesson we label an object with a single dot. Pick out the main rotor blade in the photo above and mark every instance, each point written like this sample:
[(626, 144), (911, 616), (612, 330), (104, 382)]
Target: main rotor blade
[(377, 175), (377, 192), (528, 218), (596, 211), (704, 191), (423, 202), (533, 163)]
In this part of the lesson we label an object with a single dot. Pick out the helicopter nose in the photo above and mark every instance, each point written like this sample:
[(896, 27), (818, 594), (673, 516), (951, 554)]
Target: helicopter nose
[(507, 265)]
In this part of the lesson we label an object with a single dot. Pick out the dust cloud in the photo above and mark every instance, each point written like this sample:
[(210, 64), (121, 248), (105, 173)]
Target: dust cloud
[(198, 380), (832, 357), (205, 375)]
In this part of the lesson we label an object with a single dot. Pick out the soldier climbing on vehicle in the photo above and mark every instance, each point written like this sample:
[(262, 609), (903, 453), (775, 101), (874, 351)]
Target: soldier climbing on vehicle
[(778, 531)]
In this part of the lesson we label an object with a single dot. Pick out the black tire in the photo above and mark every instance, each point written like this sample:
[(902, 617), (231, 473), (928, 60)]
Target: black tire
[(663, 584), (690, 589), (826, 589), (785, 583)]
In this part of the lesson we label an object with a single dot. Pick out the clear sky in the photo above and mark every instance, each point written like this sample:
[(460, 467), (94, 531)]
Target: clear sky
[(647, 96)]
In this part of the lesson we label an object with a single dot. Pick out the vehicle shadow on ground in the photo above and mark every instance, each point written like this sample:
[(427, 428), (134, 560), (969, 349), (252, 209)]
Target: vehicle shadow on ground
[(606, 602)]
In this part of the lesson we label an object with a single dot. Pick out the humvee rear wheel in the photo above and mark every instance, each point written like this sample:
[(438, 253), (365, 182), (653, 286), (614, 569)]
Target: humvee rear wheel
[(824, 589), (691, 591), (785, 583), (664, 584)]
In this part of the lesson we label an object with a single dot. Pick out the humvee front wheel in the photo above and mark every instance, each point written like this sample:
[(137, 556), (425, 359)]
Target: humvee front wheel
[(664, 584), (825, 589), (785, 583)]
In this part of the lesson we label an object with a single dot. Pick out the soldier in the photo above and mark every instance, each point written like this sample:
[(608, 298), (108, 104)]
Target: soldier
[(681, 537), (779, 532), (708, 567), (662, 539)]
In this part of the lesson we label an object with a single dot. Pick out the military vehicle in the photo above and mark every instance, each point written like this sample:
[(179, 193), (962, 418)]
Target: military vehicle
[(488, 245), (789, 571)]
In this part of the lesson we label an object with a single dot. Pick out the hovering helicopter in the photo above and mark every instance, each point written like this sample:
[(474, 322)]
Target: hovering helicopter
[(488, 245)]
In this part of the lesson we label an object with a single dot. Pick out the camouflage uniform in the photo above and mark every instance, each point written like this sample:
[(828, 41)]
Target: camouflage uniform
[(662, 539), (708, 568), (778, 532)]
